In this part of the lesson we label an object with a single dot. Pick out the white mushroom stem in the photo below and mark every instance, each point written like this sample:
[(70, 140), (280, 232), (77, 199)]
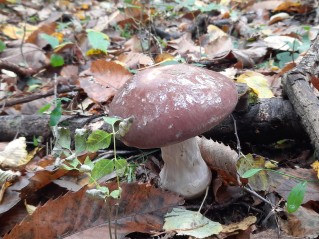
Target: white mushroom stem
[(185, 172)]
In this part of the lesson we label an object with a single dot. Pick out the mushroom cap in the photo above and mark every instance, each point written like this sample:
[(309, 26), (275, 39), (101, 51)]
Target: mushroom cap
[(172, 103)]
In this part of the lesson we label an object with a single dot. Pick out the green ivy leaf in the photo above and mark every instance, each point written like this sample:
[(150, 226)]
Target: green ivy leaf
[(120, 166), (53, 41), (56, 60), (2, 46), (285, 57), (98, 139), (74, 163), (56, 114), (88, 162), (102, 168), (116, 193), (64, 138), (111, 120), (251, 172), (80, 140), (98, 40), (44, 108), (296, 196)]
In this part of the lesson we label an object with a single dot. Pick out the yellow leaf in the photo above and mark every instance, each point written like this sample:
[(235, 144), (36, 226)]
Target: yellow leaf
[(94, 52), (16, 32), (257, 82), (58, 35), (80, 15), (315, 166)]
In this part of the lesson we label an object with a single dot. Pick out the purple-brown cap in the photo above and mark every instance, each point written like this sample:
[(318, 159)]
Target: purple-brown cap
[(172, 103)]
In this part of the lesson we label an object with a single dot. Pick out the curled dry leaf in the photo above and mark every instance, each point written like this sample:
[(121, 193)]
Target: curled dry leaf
[(242, 225), (133, 60), (103, 79), (216, 41), (33, 56), (219, 157), (184, 45), (14, 154), (76, 215)]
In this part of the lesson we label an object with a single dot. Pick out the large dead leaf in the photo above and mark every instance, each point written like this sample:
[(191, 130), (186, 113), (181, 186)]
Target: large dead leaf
[(283, 184), (184, 45), (216, 41), (103, 79), (134, 60), (32, 56), (304, 223), (219, 157), (17, 32), (14, 154), (76, 215), (35, 37)]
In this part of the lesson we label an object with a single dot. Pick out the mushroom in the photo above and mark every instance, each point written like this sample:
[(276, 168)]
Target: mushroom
[(170, 105)]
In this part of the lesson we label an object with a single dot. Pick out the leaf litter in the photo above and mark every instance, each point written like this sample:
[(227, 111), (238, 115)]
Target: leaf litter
[(102, 44)]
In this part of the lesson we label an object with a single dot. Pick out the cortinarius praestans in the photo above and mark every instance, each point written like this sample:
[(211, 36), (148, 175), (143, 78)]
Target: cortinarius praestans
[(170, 105)]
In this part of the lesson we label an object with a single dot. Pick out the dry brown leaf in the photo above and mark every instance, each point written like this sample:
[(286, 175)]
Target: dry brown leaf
[(267, 5), (184, 45), (133, 44), (219, 157), (292, 6), (242, 225), (304, 223), (103, 79), (134, 60), (283, 184), (34, 38), (76, 215), (33, 56), (215, 41), (271, 233)]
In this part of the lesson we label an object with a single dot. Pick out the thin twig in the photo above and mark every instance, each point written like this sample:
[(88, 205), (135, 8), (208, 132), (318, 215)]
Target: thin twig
[(257, 195)]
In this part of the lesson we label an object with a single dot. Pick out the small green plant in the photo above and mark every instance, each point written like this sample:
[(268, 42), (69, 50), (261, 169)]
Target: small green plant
[(56, 60), (296, 48), (125, 32), (296, 194), (92, 142), (56, 113), (2, 46), (98, 40)]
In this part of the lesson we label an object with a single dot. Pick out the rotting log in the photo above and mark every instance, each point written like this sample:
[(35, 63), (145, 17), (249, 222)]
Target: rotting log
[(270, 120)]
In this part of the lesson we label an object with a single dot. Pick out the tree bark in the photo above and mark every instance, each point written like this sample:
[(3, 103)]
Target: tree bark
[(270, 120)]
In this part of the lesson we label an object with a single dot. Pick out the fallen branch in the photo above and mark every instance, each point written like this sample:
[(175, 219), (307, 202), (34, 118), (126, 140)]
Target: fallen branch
[(35, 96), (20, 71), (268, 121), (296, 85)]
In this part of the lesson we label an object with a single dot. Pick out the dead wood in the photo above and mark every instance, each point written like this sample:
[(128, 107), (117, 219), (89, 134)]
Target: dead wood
[(270, 120), (296, 85)]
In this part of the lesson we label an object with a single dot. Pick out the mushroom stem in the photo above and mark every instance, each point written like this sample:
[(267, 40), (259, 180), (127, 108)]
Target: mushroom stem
[(185, 172)]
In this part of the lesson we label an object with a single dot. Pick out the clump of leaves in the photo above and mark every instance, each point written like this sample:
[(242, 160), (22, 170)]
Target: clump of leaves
[(56, 113), (92, 142)]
